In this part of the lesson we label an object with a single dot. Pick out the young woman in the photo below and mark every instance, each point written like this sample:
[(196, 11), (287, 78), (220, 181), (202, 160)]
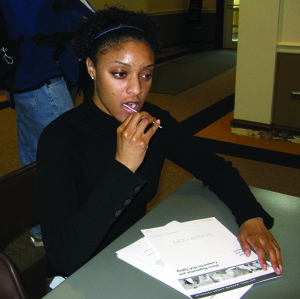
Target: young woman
[(100, 163)]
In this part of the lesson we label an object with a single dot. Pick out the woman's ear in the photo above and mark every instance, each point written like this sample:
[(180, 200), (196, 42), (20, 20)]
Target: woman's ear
[(91, 68)]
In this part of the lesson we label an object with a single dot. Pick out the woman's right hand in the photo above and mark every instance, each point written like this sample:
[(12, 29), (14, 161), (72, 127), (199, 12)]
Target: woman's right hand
[(133, 138)]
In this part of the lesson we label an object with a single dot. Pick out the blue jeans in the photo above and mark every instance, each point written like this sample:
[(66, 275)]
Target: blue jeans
[(35, 110)]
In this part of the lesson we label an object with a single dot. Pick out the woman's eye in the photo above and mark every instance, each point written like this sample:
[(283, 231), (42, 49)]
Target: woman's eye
[(147, 76), (119, 74)]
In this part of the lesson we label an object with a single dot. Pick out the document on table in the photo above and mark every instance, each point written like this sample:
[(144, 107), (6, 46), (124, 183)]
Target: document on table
[(199, 258), (143, 256), (206, 257)]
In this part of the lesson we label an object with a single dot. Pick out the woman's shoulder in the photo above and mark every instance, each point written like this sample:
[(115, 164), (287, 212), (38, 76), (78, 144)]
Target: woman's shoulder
[(63, 137), (155, 110), (65, 123)]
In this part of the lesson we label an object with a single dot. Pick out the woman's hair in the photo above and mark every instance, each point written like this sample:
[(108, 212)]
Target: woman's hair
[(112, 26)]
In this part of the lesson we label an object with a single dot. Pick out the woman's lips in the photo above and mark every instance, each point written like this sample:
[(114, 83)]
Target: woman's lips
[(127, 107), (130, 107)]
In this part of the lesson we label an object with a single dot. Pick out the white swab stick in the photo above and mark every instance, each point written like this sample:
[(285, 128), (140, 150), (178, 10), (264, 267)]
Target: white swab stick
[(135, 111)]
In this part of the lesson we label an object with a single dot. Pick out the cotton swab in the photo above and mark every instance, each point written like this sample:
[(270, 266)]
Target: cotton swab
[(133, 110)]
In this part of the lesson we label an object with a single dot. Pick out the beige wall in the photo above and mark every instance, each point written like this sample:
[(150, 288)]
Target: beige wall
[(152, 6), (265, 28), (256, 59), (289, 27), (209, 5)]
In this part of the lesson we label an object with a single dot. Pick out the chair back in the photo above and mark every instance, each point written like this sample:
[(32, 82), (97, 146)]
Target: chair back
[(11, 286), (19, 210), (19, 203)]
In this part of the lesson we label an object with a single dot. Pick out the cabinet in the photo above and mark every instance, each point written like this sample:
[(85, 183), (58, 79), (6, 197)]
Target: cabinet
[(286, 111)]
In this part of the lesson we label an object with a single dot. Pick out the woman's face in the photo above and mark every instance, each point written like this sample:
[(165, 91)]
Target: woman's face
[(122, 76)]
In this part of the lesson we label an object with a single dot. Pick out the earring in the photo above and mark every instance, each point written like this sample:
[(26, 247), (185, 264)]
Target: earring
[(92, 77)]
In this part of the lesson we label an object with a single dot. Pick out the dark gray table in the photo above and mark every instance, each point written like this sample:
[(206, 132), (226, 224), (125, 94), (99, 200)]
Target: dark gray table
[(106, 276)]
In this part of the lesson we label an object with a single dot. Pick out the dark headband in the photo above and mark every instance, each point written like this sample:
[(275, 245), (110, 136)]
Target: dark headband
[(116, 28)]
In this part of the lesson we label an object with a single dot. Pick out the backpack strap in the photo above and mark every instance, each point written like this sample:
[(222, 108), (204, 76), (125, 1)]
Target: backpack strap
[(12, 79)]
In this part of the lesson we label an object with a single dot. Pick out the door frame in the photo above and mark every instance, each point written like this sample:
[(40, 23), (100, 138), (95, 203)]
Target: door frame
[(227, 31)]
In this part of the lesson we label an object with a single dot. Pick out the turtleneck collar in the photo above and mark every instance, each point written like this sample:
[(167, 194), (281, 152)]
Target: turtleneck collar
[(98, 118)]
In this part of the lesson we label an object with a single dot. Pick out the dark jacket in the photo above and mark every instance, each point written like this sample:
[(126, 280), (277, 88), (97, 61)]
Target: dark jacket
[(46, 50), (88, 198)]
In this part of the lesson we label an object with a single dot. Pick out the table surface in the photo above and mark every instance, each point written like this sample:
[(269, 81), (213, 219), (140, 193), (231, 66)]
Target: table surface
[(106, 276)]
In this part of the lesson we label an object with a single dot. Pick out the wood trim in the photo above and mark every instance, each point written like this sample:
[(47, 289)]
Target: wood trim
[(250, 125), (251, 129), (265, 131), (286, 133)]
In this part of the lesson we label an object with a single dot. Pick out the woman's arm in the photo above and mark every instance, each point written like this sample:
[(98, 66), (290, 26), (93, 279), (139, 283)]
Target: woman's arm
[(36, 19), (78, 208), (224, 180)]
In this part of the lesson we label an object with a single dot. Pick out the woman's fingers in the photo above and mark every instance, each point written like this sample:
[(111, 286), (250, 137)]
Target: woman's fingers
[(133, 137), (254, 233)]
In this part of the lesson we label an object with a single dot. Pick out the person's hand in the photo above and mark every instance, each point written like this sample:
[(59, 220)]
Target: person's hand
[(254, 233), (133, 138)]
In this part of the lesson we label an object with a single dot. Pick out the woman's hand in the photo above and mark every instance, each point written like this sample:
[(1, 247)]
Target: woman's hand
[(133, 138), (254, 233)]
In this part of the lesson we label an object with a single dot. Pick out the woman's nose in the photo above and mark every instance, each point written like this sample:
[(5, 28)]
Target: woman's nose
[(134, 86)]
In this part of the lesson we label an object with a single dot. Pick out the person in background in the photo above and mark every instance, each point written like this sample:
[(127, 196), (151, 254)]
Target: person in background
[(47, 72), (99, 164)]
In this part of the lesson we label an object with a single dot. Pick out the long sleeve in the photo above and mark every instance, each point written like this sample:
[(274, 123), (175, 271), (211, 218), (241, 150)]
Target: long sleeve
[(43, 30), (220, 176), (77, 211), (88, 199), (71, 15), (33, 17)]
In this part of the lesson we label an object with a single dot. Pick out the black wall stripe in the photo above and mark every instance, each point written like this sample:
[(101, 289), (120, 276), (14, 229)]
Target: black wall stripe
[(252, 153), (204, 118), (4, 104)]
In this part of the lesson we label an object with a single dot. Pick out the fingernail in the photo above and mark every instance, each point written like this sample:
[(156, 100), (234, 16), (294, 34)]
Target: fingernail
[(264, 267), (247, 252)]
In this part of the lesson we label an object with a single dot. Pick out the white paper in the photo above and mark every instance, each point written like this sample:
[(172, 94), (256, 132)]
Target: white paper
[(205, 257), (57, 280), (143, 256), (87, 5)]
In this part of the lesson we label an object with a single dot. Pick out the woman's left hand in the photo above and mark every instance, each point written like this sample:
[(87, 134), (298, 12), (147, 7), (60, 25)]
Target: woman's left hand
[(254, 233)]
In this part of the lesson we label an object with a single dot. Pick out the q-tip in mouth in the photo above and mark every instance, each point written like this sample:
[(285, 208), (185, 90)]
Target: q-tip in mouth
[(133, 110)]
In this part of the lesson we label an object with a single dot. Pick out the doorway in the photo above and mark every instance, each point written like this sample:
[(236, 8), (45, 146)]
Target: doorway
[(231, 24)]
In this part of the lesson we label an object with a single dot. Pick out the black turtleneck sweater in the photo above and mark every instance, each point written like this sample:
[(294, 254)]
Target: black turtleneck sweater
[(88, 198)]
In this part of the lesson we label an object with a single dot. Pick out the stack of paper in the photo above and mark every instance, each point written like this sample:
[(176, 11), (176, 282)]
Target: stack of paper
[(199, 258)]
